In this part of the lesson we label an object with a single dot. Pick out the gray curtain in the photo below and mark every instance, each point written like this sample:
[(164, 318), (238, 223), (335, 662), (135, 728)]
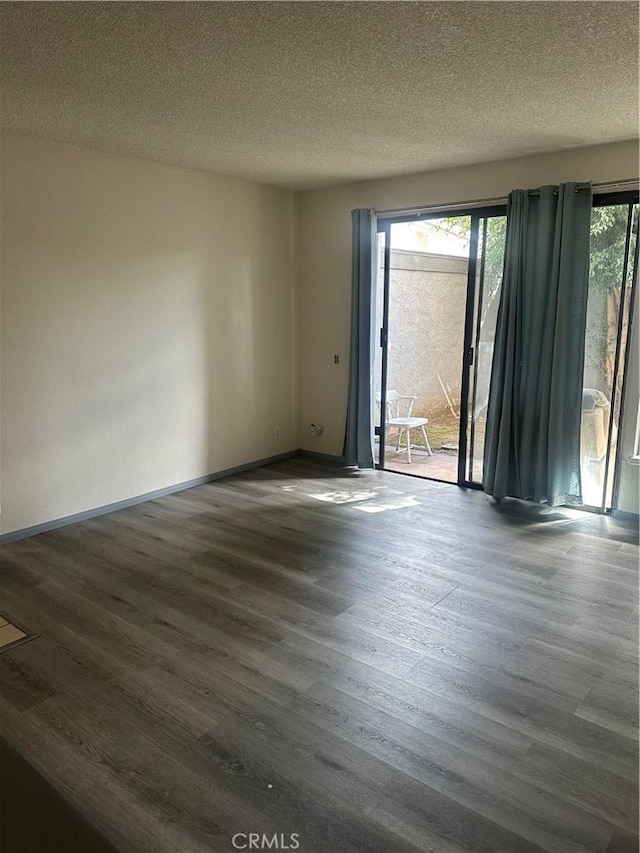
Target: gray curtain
[(358, 445), (532, 442)]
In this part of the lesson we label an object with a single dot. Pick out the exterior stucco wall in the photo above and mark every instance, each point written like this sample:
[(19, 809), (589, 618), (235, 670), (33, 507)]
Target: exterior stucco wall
[(426, 326)]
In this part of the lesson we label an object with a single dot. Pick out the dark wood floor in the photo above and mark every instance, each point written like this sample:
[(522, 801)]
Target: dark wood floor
[(370, 661)]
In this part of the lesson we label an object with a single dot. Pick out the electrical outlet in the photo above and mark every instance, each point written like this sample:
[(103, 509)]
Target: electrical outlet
[(315, 430), (276, 432)]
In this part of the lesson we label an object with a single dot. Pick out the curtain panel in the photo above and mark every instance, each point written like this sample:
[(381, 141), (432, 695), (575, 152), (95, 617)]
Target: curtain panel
[(532, 442), (358, 444)]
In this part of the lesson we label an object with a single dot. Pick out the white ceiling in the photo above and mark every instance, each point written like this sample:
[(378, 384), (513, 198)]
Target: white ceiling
[(303, 94)]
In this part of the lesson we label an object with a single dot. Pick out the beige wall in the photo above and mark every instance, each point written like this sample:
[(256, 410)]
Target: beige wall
[(324, 263), (147, 327)]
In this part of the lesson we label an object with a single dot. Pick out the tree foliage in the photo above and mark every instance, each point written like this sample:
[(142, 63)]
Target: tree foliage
[(608, 235), (607, 260)]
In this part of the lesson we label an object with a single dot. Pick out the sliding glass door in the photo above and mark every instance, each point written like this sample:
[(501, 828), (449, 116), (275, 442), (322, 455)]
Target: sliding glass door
[(439, 281), (440, 277), (612, 285)]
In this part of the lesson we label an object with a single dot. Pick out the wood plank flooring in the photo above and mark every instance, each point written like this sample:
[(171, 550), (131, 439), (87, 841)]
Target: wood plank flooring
[(372, 662)]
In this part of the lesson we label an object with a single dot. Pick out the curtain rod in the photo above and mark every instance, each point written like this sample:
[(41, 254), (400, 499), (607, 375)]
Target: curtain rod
[(581, 186), (486, 202)]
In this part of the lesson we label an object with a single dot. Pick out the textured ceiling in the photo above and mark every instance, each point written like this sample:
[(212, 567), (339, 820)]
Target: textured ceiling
[(302, 94)]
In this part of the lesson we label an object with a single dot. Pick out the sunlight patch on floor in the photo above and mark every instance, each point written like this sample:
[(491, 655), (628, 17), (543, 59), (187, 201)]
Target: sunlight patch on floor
[(367, 500), (344, 497), (386, 504)]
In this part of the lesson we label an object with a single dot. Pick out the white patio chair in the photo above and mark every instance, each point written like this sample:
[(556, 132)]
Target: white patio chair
[(398, 416)]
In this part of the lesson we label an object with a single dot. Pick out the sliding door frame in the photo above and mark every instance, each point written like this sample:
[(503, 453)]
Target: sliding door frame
[(384, 227), (614, 458), (468, 353)]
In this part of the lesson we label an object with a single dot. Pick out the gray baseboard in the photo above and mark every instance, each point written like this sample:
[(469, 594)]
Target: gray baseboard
[(25, 532), (622, 515)]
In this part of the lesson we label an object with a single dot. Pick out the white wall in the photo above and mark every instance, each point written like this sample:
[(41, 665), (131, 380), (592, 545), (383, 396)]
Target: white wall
[(147, 327), (324, 261)]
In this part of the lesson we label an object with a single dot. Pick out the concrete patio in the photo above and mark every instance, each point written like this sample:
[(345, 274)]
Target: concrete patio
[(442, 465)]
